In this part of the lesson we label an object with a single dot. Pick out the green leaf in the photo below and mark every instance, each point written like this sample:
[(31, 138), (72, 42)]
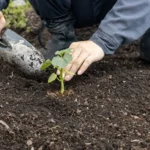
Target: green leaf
[(46, 64), (64, 51), (68, 57), (59, 62), (52, 77)]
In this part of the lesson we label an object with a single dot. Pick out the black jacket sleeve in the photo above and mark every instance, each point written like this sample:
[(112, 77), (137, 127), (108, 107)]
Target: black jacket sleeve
[(3, 4)]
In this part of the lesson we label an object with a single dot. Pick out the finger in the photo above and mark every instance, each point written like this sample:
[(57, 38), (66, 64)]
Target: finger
[(85, 65), (76, 65), (75, 54), (58, 72), (2, 21), (74, 45)]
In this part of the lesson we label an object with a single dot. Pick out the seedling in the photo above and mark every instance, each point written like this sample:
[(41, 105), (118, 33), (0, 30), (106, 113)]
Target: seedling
[(59, 62)]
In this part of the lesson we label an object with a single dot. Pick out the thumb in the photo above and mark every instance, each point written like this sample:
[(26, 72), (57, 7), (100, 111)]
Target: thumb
[(2, 21)]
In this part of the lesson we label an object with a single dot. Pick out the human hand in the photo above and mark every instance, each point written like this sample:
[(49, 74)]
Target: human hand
[(84, 53), (2, 22)]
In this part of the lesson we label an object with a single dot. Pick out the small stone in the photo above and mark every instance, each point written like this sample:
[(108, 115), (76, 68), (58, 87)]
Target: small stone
[(29, 142), (76, 100), (139, 134), (86, 103), (125, 113), (107, 118), (87, 144), (52, 120), (52, 143), (78, 111), (135, 117), (32, 148), (102, 106), (110, 77), (95, 97), (41, 148)]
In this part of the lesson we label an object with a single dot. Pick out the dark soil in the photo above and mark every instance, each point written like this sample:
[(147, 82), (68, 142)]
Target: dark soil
[(107, 108)]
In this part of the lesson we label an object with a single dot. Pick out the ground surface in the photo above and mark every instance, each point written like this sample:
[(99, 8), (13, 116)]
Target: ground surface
[(108, 108)]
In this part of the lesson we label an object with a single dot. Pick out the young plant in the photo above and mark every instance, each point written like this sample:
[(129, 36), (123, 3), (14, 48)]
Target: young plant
[(59, 62)]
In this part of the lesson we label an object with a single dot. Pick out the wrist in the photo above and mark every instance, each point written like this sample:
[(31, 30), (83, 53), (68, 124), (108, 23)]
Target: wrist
[(99, 48)]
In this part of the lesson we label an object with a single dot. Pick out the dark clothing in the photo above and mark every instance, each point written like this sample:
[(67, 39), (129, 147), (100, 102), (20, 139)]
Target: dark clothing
[(51, 9), (87, 12), (121, 21), (3, 4)]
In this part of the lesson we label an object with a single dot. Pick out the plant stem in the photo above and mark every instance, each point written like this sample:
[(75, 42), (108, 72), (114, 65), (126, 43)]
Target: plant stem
[(62, 81)]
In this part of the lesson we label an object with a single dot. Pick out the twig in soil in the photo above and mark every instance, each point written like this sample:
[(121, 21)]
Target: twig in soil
[(136, 141), (6, 126), (47, 128), (12, 75), (53, 128)]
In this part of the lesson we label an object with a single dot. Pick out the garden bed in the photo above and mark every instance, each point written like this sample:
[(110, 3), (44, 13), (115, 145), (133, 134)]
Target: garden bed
[(107, 108)]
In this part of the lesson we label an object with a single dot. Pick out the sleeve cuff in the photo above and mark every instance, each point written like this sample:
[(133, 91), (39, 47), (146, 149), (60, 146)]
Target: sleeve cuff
[(106, 42)]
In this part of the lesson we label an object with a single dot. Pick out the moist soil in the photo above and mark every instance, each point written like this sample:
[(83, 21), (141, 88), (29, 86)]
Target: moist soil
[(107, 108)]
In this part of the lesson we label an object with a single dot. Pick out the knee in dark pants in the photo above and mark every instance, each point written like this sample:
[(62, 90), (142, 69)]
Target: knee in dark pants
[(145, 46), (83, 11), (51, 9), (90, 12)]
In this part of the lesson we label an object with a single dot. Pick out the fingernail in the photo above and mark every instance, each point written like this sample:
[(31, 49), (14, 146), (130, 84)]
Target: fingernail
[(67, 77), (79, 72), (58, 72)]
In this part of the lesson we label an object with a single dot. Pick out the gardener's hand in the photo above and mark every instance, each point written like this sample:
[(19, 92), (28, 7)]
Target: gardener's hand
[(2, 22), (84, 53)]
